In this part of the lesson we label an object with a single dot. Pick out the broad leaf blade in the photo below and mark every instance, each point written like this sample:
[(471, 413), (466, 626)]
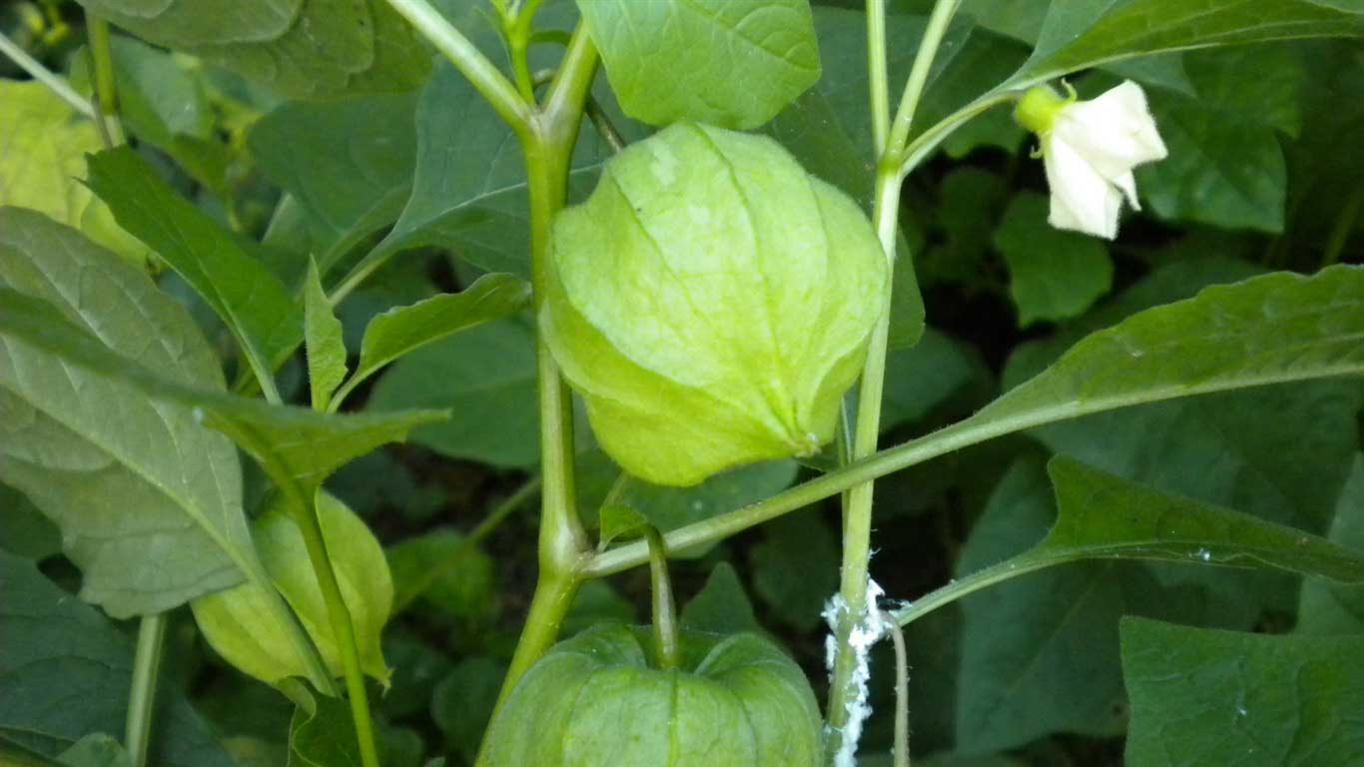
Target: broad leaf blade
[(1083, 34), (405, 329), (731, 63), (65, 671), (1202, 696), (87, 449), (325, 349), (242, 291), (298, 448), (1106, 517)]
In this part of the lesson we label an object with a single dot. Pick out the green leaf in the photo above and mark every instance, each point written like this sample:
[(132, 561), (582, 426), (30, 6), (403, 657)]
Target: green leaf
[(1078, 35), (1054, 275), (361, 571), (668, 508), (322, 339), (1276, 328), (731, 63), (299, 48), (162, 100), (322, 733), (487, 375), (24, 530), (405, 329), (297, 448), (469, 192), (43, 142), (617, 521), (96, 750), (1261, 83), (86, 449), (65, 672), (1333, 608), (795, 569), (348, 163), (929, 375), (446, 570), (241, 290), (1221, 170), (462, 704), (1202, 696), (1105, 517), (721, 606)]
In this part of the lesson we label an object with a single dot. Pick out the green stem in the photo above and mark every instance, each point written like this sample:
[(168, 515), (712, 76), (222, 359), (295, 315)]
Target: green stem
[(517, 29), (974, 582), (876, 70), (563, 545), (925, 143), (664, 611), (938, 22), (106, 94), (897, 638), (486, 78), (142, 696), (47, 77), (342, 630)]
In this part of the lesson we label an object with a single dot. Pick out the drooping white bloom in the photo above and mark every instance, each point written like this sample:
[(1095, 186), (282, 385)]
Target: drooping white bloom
[(1090, 149)]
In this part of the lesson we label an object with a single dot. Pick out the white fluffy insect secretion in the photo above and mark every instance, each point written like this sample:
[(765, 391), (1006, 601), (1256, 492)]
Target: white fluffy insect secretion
[(861, 639)]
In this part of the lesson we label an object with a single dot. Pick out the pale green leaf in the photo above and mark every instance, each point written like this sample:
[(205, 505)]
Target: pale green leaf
[(616, 521), (731, 63), (65, 672), (361, 572), (405, 329), (86, 449), (43, 143), (326, 350), (245, 294), (1053, 274), (1203, 696)]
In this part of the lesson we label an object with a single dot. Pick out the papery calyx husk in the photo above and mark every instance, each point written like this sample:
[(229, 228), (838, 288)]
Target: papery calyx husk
[(711, 301), (599, 699)]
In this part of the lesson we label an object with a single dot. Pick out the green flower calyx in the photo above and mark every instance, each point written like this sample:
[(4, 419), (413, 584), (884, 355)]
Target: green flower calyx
[(711, 301)]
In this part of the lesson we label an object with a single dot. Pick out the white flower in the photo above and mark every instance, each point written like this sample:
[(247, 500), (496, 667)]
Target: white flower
[(1090, 149)]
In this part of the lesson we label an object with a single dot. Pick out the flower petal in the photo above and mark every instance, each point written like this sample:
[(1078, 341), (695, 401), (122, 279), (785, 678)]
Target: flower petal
[(1115, 131), (1081, 198)]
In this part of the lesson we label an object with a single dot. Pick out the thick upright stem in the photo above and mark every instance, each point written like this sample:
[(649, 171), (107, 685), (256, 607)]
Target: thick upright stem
[(563, 545), (342, 629), (142, 697)]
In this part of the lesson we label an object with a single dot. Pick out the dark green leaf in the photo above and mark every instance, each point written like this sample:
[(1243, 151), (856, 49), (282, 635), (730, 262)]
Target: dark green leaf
[(326, 350), (1054, 275), (616, 521), (65, 672), (24, 530), (245, 294), (463, 702), (795, 569), (322, 733), (97, 750), (731, 63), (1202, 697), (921, 378), (668, 508), (1082, 34), (487, 375), (1333, 608), (1221, 170), (721, 606), (348, 163), (403, 330), (446, 569)]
